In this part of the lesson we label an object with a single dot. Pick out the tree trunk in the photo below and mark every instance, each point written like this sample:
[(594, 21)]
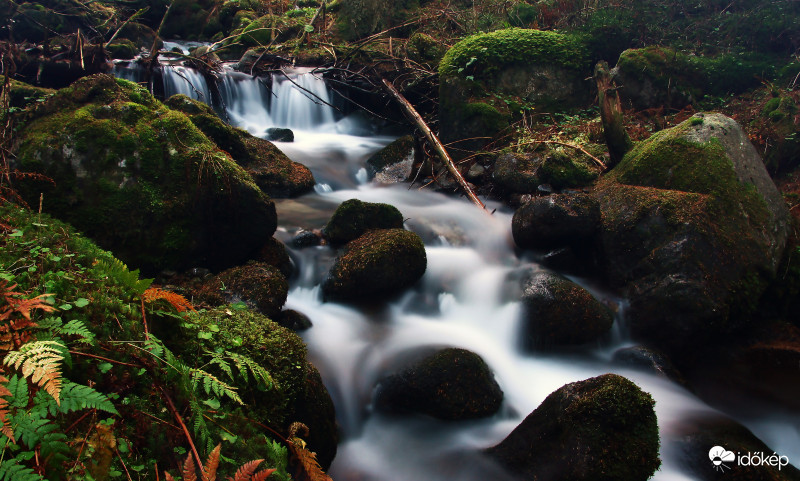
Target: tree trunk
[(616, 137)]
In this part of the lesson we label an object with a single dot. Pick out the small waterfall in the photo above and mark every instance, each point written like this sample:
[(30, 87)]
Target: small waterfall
[(246, 100), (184, 80), (301, 98)]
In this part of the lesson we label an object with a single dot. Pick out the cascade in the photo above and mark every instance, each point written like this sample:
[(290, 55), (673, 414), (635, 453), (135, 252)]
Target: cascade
[(460, 302)]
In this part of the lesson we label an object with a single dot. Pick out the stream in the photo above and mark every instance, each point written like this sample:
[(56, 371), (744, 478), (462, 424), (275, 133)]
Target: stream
[(462, 301)]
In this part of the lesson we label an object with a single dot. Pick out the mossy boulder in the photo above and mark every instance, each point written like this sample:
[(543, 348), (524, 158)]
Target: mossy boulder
[(21, 94), (274, 253), (517, 173), (140, 178), (557, 312), (660, 76), (452, 384), (556, 221), (378, 264), (394, 162), (485, 74), (354, 217), (123, 49), (270, 168), (603, 428), (424, 49), (296, 392), (260, 286), (694, 228), (780, 115)]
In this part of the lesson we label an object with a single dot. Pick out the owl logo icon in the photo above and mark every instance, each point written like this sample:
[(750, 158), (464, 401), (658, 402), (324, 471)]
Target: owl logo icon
[(719, 456)]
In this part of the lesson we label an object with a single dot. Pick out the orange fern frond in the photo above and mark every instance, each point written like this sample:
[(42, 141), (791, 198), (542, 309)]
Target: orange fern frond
[(246, 472), (177, 301), (310, 469), (15, 315), (189, 473), (210, 469), (5, 428)]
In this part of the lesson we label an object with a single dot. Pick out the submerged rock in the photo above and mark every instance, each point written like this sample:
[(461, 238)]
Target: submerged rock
[(393, 163), (378, 264), (557, 312), (603, 428), (277, 134), (354, 217), (453, 384), (140, 179), (694, 228)]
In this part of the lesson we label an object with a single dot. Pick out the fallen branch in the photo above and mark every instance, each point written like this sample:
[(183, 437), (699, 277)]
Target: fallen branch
[(437, 145)]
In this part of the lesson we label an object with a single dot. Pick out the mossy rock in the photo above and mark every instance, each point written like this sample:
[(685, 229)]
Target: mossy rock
[(424, 49), (603, 428), (453, 384), (517, 173), (661, 76), (695, 228), (21, 95), (354, 217), (779, 113), (558, 313), (394, 162), (123, 49), (557, 220), (140, 178), (376, 265), (271, 169), (260, 286)]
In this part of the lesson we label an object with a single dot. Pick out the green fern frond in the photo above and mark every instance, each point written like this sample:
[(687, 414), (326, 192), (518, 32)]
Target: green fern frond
[(218, 359), (245, 363), (76, 328), (19, 391), (40, 360), (13, 470), (154, 347), (211, 384), (199, 425), (77, 396), (115, 269)]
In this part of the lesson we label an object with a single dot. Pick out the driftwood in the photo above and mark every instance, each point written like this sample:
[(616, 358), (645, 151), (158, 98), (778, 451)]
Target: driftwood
[(611, 114), (434, 141)]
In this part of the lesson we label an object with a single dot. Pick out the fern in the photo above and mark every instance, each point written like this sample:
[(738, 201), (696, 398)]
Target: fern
[(180, 303), (5, 427), (245, 363), (208, 472), (72, 328), (74, 397), (40, 360), (39, 433), (211, 384), (118, 271), (13, 470)]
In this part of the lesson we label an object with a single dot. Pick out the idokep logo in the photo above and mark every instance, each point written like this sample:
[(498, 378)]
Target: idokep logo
[(721, 458)]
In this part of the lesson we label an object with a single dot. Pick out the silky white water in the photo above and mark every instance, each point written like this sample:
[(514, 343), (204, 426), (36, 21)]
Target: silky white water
[(465, 299)]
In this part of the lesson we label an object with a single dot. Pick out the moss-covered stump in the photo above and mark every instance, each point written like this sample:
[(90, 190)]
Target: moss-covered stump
[(453, 384), (354, 217), (394, 162), (486, 77), (296, 392), (272, 171), (140, 178), (557, 312), (694, 228), (701, 438), (380, 263), (261, 286), (556, 221), (655, 76), (603, 428)]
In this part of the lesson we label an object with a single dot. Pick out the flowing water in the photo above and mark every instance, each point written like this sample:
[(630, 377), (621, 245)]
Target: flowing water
[(462, 301)]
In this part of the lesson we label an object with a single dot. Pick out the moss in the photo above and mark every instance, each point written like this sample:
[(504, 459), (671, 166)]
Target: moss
[(497, 50), (354, 217), (423, 48), (22, 95), (562, 172)]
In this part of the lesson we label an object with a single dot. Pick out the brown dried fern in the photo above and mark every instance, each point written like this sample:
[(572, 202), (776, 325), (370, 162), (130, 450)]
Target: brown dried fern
[(246, 472), (177, 301), (309, 467), (5, 428), (15, 315), (41, 361)]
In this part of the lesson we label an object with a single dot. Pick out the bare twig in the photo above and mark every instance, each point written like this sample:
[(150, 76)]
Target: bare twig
[(174, 412)]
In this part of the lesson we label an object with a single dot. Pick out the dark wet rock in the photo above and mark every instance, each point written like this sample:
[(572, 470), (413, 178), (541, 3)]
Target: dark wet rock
[(274, 253), (306, 238), (603, 428), (277, 134), (270, 168), (557, 312), (314, 408), (393, 163), (556, 221), (650, 360), (380, 263), (453, 384), (261, 286), (354, 217), (517, 173), (694, 228), (140, 179), (294, 320), (701, 439)]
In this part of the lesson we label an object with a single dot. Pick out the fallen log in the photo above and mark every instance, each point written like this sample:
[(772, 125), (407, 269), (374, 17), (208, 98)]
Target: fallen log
[(434, 141)]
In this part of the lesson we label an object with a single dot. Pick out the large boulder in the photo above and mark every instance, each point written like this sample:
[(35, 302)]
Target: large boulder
[(270, 168), (693, 228), (603, 428), (354, 217), (557, 312), (380, 263), (140, 179), (556, 221), (260, 286), (525, 68), (452, 384)]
